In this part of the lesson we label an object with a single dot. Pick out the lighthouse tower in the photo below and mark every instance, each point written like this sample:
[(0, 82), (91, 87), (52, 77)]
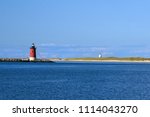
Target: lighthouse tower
[(32, 53)]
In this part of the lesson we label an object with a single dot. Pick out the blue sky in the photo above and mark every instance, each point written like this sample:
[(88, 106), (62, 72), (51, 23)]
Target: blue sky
[(75, 28)]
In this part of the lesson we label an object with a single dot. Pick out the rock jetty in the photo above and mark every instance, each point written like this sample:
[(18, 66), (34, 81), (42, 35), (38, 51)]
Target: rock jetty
[(23, 60)]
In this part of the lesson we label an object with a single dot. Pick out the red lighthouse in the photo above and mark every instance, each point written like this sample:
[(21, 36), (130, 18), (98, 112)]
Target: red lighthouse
[(32, 52)]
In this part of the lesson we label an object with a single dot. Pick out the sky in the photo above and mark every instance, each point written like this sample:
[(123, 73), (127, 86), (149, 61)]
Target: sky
[(75, 28)]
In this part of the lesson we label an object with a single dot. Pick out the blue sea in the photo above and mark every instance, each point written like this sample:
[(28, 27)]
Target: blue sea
[(74, 81)]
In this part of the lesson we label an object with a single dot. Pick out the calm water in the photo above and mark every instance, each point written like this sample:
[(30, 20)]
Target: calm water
[(74, 80)]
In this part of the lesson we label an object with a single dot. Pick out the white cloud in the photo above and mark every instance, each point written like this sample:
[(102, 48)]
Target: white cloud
[(141, 51), (47, 44)]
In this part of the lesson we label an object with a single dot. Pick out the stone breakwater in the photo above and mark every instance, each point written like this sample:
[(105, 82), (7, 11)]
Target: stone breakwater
[(23, 60)]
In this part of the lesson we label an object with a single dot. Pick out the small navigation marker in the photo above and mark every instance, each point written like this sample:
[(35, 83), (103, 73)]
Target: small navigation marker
[(100, 55)]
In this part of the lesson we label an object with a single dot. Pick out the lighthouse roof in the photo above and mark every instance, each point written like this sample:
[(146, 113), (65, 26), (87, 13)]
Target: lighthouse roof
[(33, 46)]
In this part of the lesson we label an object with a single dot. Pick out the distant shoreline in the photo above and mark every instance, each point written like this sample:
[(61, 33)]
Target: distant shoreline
[(110, 59), (104, 61)]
